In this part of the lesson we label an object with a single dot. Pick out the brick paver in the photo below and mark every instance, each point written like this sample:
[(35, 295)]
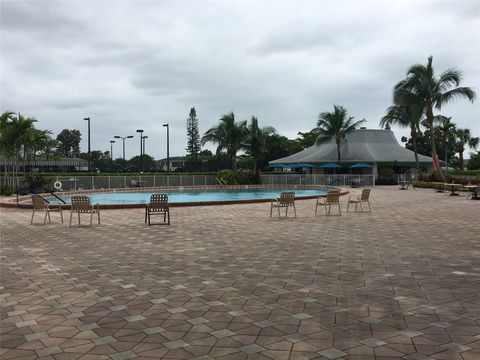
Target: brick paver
[(228, 282)]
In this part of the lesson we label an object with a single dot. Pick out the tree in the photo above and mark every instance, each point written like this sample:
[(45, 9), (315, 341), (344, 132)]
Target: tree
[(446, 129), (474, 162), (229, 136), (335, 125), (193, 136), (464, 137), (149, 163), (404, 116), (256, 141), (69, 142), (422, 89)]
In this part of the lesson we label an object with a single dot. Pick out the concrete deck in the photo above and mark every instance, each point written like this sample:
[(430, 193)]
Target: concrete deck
[(228, 282)]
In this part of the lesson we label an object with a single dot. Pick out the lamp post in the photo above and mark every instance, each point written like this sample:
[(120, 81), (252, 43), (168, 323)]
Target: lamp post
[(111, 153), (143, 138), (89, 157), (141, 148), (168, 147), (123, 138)]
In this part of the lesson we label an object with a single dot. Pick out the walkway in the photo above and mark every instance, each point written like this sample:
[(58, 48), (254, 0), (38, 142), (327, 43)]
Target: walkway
[(227, 282)]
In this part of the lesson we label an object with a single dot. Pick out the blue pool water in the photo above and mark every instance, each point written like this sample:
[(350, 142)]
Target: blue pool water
[(192, 195)]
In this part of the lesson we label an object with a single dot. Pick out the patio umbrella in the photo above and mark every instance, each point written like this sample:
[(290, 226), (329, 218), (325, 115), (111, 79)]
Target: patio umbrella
[(361, 165), (300, 165), (331, 166)]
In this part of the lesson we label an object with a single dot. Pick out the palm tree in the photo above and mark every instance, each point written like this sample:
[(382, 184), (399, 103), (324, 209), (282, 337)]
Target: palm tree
[(464, 137), (40, 140), (404, 116), (229, 135), (421, 88), (446, 128), (335, 125), (256, 141)]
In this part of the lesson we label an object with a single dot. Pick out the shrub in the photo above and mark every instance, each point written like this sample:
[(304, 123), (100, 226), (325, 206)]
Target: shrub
[(6, 190), (239, 177)]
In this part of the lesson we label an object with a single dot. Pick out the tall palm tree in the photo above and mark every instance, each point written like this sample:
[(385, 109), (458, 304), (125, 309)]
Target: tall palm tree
[(256, 140), (40, 140), (423, 89), (6, 138), (446, 128), (404, 116), (335, 125), (229, 136), (464, 137)]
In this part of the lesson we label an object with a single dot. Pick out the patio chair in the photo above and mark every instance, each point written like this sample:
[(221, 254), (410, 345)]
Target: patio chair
[(40, 204), (332, 198), (158, 206), (364, 198), (286, 199), (81, 205)]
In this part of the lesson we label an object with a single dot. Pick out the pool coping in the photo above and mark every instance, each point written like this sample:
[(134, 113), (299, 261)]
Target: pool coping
[(11, 202)]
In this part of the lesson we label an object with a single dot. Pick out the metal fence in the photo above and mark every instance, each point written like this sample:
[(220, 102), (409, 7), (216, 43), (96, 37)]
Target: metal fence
[(319, 179), (69, 183)]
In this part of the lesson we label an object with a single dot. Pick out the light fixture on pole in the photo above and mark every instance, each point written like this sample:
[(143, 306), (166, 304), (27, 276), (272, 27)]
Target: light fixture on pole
[(111, 154), (89, 158), (168, 147), (123, 138), (144, 137), (141, 148)]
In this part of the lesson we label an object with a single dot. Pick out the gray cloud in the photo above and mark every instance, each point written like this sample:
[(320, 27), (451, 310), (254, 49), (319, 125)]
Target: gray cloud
[(139, 64)]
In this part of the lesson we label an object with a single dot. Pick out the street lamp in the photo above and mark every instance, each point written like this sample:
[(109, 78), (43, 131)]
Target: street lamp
[(144, 137), (141, 148), (111, 154), (89, 158), (168, 147), (123, 138)]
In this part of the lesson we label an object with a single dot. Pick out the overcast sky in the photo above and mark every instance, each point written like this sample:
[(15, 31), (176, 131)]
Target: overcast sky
[(139, 64)]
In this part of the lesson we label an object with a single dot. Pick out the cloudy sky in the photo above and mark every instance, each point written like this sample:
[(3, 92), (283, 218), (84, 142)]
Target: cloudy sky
[(139, 64)]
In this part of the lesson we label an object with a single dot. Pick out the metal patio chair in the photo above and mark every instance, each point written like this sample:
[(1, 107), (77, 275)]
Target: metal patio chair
[(364, 198), (332, 198), (286, 199), (81, 205), (40, 204), (158, 206)]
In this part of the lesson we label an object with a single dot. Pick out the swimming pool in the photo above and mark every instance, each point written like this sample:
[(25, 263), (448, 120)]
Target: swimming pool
[(193, 196)]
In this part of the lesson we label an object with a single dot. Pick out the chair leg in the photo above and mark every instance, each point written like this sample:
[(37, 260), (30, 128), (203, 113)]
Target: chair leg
[(168, 217), (339, 209), (71, 215), (286, 211), (361, 206), (98, 215), (79, 219), (294, 210), (369, 208), (271, 209), (61, 214), (45, 217), (278, 207), (49, 219), (316, 207), (33, 214), (91, 217)]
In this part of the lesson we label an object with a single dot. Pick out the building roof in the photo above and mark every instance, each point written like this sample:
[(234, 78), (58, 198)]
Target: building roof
[(362, 145)]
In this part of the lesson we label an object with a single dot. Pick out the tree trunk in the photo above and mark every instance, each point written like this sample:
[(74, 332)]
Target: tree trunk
[(460, 157), (429, 114), (413, 134), (338, 152)]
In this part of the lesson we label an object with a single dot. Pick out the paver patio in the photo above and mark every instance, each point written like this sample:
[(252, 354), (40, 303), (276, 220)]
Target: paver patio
[(228, 282)]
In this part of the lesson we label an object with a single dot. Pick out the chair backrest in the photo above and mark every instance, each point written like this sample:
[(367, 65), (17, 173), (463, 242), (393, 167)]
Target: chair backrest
[(365, 194), (287, 198), (159, 201), (81, 203), (38, 202), (333, 197)]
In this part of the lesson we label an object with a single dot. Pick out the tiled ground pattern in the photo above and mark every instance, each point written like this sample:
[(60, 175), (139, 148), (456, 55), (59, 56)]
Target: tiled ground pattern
[(227, 282)]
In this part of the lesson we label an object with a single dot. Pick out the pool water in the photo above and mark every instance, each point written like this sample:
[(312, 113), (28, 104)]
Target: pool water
[(192, 195)]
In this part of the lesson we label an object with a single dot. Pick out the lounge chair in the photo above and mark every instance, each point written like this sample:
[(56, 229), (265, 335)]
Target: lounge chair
[(40, 204), (286, 199), (158, 206), (332, 198), (360, 199), (81, 205)]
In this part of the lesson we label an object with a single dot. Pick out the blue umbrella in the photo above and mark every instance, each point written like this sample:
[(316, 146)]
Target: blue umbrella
[(300, 165), (361, 165), (331, 166)]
